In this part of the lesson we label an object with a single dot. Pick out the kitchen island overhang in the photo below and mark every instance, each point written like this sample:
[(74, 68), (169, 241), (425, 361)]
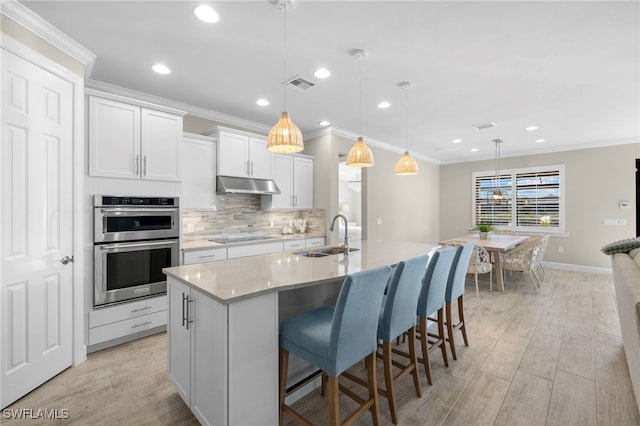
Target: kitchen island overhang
[(224, 320)]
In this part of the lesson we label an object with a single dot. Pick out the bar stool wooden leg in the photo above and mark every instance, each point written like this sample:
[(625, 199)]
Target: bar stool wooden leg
[(450, 332), (425, 349), (388, 380), (334, 406), (414, 360), (463, 324), (284, 366), (373, 388), (443, 346)]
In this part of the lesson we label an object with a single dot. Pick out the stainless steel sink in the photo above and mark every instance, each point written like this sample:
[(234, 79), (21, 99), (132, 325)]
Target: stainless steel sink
[(325, 251)]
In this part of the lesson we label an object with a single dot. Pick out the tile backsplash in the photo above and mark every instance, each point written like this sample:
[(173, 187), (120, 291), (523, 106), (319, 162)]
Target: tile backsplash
[(237, 213)]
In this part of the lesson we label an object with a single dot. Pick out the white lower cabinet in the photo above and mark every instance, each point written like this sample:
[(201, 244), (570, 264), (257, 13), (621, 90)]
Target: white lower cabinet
[(314, 242), (113, 322), (204, 255), (254, 249), (222, 359)]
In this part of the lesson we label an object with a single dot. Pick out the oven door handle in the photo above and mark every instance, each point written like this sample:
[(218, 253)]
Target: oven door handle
[(134, 245), (119, 210)]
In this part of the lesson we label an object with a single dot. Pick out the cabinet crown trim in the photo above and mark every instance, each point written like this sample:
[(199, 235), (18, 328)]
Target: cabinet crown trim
[(132, 101)]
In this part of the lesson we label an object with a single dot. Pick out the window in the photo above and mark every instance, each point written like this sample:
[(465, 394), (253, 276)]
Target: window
[(532, 199)]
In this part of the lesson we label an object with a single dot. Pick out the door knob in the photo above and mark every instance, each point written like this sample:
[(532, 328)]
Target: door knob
[(66, 260)]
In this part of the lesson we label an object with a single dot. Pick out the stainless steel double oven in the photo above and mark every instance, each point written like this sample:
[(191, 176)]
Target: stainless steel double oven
[(134, 239)]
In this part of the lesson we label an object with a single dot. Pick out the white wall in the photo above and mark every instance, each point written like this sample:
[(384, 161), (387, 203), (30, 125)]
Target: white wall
[(596, 180)]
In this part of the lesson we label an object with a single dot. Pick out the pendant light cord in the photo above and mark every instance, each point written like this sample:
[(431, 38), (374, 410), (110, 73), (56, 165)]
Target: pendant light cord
[(406, 120), (360, 94), (284, 71)]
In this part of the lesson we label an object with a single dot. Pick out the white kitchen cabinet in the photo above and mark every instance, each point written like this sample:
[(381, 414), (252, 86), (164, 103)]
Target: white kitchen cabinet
[(294, 177), (204, 255), (212, 358), (244, 155), (133, 142), (121, 320), (294, 244), (198, 172), (254, 249), (314, 242)]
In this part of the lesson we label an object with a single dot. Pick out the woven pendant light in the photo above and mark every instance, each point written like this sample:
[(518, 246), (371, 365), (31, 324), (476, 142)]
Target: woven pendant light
[(360, 154), (285, 137), (406, 165)]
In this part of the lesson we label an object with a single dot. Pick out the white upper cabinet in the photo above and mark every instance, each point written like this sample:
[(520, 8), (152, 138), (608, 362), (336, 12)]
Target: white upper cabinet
[(294, 177), (198, 172), (244, 155), (133, 142)]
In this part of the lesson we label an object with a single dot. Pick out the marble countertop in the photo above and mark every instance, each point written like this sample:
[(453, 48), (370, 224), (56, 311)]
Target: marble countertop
[(232, 280)]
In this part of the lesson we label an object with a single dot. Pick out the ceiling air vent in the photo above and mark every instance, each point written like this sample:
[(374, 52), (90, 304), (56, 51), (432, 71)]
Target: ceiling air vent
[(299, 83), (483, 126)]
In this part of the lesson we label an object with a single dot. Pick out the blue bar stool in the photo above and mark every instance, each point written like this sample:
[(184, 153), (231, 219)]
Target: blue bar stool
[(455, 291), (432, 301), (335, 338), (397, 317)]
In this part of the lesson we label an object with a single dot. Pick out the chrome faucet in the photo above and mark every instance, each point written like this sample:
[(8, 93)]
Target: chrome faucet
[(346, 233)]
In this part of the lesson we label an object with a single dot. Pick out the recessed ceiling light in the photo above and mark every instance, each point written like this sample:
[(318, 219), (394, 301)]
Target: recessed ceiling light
[(324, 123), (456, 140), (322, 73), (540, 140), (206, 14), (262, 102), (161, 69), (531, 128), (384, 104), (474, 150)]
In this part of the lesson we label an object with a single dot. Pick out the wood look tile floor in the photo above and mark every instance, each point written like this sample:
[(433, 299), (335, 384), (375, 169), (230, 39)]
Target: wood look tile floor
[(555, 358)]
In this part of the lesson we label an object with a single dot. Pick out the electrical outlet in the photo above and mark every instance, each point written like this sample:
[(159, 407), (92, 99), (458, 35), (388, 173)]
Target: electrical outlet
[(560, 249), (379, 221)]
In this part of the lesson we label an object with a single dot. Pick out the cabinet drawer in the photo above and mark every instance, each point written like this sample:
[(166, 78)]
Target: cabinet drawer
[(124, 328), (202, 256), (124, 311), (254, 249), (315, 242), (295, 244)]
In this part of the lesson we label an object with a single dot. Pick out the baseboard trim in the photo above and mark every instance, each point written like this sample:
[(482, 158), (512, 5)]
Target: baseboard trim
[(578, 268)]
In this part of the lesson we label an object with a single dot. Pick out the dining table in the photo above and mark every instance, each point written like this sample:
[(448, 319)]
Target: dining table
[(494, 244)]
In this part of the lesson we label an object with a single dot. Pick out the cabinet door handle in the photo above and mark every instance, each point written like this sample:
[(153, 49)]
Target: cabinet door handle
[(184, 317), (295, 203), (252, 168), (141, 309), (248, 169), (141, 325), (144, 170), (189, 321), (292, 201), (137, 165)]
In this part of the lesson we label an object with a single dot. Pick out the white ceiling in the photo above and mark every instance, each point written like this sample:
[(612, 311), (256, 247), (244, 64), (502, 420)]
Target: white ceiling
[(571, 68)]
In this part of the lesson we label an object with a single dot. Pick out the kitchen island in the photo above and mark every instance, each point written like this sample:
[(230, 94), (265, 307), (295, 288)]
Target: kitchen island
[(224, 319)]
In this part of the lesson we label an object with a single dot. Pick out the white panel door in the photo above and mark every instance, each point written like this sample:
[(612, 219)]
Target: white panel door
[(161, 145), (36, 227), (114, 139), (261, 166), (283, 175), (233, 155), (303, 183), (198, 174)]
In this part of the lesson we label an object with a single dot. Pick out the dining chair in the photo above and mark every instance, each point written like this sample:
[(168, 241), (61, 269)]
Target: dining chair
[(397, 317), (523, 258), (431, 301), (455, 292), (479, 263), (335, 338)]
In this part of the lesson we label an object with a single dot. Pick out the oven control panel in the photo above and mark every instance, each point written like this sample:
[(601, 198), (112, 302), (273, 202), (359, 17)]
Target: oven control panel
[(110, 200)]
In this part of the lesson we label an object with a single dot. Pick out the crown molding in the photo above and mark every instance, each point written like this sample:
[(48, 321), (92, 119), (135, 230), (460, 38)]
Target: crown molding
[(369, 141), (26, 18)]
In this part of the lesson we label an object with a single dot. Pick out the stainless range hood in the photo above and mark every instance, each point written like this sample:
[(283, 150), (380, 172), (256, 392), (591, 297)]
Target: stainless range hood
[(236, 185)]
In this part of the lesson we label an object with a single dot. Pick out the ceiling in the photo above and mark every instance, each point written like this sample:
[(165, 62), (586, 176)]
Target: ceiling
[(570, 68)]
